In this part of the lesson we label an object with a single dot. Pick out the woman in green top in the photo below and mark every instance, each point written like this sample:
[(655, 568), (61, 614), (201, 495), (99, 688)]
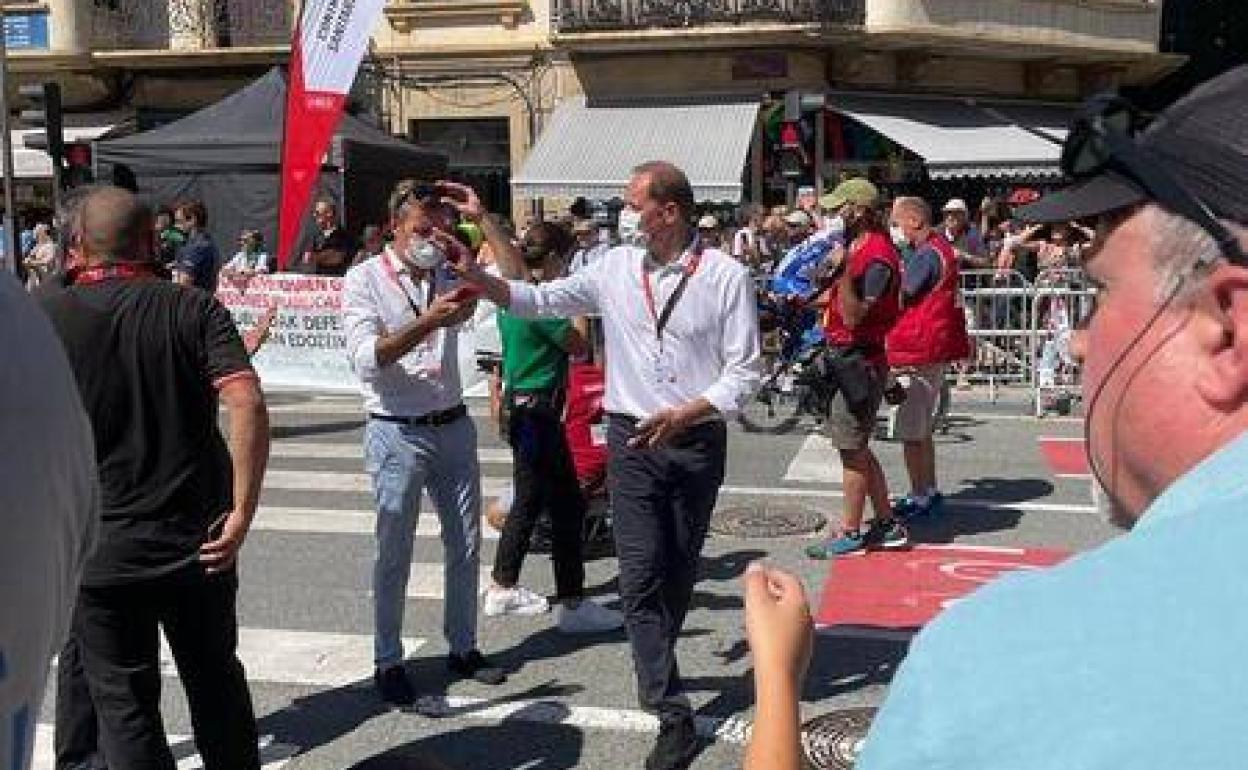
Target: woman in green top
[(535, 369)]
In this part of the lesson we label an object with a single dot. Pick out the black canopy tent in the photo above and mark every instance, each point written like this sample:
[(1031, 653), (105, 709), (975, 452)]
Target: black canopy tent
[(228, 155)]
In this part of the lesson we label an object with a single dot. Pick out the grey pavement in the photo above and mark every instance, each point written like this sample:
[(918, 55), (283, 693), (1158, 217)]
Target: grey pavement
[(570, 702)]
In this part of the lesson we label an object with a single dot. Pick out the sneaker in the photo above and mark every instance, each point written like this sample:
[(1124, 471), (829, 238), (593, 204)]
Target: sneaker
[(846, 543), (910, 507), (886, 534), (588, 618), (676, 746), (513, 601), (473, 665), (394, 686)]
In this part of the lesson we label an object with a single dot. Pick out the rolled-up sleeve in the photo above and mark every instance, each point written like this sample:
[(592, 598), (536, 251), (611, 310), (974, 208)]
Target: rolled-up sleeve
[(361, 320), (568, 297), (740, 351)]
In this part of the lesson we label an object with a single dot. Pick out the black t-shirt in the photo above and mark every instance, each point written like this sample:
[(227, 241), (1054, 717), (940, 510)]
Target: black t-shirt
[(148, 355), (336, 240)]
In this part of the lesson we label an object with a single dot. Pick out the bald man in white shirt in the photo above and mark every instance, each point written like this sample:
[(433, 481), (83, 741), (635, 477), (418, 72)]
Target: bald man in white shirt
[(682, 337)]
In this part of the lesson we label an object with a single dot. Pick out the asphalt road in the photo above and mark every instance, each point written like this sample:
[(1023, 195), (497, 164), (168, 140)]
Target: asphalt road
[(569, 702)]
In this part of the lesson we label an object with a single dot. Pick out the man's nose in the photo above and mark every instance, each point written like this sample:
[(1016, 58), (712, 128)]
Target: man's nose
[(1079, 345)]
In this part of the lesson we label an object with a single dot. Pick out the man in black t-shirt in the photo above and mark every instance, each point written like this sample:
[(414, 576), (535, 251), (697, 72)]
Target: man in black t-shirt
[(332, 249), (152, 360)]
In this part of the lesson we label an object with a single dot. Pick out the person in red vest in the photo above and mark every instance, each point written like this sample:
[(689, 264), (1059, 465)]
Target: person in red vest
[(863, 303), (930, 335)]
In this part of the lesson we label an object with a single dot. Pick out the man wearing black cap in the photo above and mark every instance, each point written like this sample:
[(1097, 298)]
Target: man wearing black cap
[(1125, 656)]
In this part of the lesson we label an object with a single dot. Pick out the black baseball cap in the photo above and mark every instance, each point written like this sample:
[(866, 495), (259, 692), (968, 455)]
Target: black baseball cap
[(1201, 141)]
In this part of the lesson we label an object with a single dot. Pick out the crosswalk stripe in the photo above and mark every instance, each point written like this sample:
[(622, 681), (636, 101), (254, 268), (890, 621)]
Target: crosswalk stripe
[(817, 461), (314, 450), (491, 486), (273, 756), (328, 521), (308, 658), (352, 407), (426, 580), (343, 481)]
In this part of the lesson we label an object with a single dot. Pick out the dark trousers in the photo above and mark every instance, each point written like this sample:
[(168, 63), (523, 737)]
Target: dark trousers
[(545, 480), (76, 740), (661, 505), (116, 629)]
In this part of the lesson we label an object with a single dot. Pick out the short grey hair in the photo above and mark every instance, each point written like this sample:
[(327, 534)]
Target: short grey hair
[(915, 205), (1180, 249)]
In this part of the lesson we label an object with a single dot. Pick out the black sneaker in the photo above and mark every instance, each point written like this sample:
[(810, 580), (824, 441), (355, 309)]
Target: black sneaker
[(473, 665), (394, 686), (886, 535), (676, 746)]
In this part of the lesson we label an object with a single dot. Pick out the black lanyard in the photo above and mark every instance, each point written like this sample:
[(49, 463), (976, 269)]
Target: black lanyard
[(661, 318), (398, 281)]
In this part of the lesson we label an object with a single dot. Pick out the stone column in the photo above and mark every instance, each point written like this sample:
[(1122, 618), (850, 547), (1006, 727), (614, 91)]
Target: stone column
[(68, 25), (192, 24)]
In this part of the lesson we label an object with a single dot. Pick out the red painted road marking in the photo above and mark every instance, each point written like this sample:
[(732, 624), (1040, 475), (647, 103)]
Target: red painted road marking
[(1067, 457), (906, 589)]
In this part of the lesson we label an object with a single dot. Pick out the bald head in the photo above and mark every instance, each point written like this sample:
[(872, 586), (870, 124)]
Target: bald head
[(913, 207), (114, 226)]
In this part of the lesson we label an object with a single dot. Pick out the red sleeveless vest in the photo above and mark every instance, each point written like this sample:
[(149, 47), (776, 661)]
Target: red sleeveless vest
[(933, 331), (872, 331)]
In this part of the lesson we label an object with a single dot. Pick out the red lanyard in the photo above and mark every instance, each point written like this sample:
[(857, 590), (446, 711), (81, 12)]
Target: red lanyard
[(661, 319), (386, 259), (123, 271)]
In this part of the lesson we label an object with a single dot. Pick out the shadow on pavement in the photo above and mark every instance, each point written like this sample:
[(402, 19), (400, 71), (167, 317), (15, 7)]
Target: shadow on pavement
[(516, 742)]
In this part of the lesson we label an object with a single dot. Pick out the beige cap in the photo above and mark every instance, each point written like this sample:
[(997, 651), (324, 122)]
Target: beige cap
[(708, 222), (957, 204)]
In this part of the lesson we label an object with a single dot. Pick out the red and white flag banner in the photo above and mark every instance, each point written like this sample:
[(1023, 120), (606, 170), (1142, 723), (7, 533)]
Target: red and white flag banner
[(326, 51)]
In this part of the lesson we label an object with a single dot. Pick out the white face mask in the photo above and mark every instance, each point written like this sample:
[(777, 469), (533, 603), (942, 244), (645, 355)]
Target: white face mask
[(424, 254), (899, 236), (630, 227)]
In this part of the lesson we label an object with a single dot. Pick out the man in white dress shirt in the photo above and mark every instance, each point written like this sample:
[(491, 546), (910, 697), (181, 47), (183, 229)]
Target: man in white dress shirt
[(682, 340), (402, 314)]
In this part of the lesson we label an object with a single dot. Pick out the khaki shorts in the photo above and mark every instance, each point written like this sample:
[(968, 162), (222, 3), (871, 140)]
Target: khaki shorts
[(846, 429), (915, 419)]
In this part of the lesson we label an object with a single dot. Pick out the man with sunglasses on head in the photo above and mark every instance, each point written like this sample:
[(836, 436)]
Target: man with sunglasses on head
[(402, 312), (682, 344), (1126, 656)]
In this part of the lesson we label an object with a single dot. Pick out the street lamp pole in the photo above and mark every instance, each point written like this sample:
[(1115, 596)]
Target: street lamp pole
[(6, 149)]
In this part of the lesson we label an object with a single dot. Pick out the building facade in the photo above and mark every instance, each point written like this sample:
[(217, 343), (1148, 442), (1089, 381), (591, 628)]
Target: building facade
[(586, 68)]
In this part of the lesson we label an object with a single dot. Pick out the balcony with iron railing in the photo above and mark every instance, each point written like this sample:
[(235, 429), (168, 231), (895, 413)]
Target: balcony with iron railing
[(576, 16), (186, 25)]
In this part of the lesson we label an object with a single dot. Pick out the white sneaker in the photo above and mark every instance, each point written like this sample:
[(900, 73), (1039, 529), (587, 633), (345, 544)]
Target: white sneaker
[(513, 601), (588, 618)]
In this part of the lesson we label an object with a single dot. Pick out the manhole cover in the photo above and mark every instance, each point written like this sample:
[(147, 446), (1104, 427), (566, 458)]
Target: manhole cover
[(764, 520), (833, 741)]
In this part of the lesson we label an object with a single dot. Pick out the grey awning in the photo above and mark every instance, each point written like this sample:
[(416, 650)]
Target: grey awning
[(1049, 120), (590, 150), (955, 137)]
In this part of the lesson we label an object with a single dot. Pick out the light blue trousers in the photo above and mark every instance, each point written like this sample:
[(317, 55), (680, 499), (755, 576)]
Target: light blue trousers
[(403, 461)]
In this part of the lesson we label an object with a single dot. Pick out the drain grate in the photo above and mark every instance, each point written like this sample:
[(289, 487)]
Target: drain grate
[(834, 740), (766, 520)]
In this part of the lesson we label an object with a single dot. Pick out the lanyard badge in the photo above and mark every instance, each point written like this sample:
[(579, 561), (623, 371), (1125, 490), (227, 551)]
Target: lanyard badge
[(664, 366)]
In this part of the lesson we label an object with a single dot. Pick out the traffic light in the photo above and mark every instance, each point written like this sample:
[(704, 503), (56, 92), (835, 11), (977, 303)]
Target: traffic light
[(44, 114)]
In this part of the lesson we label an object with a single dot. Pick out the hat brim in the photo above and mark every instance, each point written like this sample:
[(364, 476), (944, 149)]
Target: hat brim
[(1093, 197)]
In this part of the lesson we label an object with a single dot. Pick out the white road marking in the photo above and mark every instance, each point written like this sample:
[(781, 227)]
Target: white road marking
[(321, 450), (328, 521), (272, 755), (734, 730), (351, 407), (425, 581), (491, 486), (816, 462)]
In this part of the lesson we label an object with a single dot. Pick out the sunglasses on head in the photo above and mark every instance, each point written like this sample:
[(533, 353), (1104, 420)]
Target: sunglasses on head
[(1103, 138)]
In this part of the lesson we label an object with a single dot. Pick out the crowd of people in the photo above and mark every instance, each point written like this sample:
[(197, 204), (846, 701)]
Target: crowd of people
[(136, 508)]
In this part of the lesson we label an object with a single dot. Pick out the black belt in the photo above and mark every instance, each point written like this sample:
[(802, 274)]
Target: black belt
[(434, 419)]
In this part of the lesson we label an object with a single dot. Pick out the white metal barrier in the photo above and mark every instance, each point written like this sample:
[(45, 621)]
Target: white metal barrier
[(998, 306), (1063, 299)]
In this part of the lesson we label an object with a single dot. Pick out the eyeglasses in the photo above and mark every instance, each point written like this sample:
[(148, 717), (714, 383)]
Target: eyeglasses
[(1104, 138)]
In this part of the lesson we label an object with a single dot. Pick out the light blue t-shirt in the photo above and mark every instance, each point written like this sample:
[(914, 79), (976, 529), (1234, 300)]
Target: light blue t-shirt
[(1128, 656)]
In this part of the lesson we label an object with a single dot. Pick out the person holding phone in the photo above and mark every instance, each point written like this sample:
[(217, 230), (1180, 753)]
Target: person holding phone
[(402, 311)]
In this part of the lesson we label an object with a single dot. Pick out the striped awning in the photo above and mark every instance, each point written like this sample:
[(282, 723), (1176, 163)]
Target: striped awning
[(958, 137), (590, 150)]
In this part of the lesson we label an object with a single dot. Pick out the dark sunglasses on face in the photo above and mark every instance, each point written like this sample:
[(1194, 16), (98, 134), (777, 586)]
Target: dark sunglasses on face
[(1104, 138)]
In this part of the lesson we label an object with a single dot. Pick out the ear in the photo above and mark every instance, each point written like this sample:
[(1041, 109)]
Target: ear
[(1221, 326)]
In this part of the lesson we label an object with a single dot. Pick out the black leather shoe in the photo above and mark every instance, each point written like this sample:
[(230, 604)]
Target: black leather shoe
[(394, 686), (676, 747), (473, 665)]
